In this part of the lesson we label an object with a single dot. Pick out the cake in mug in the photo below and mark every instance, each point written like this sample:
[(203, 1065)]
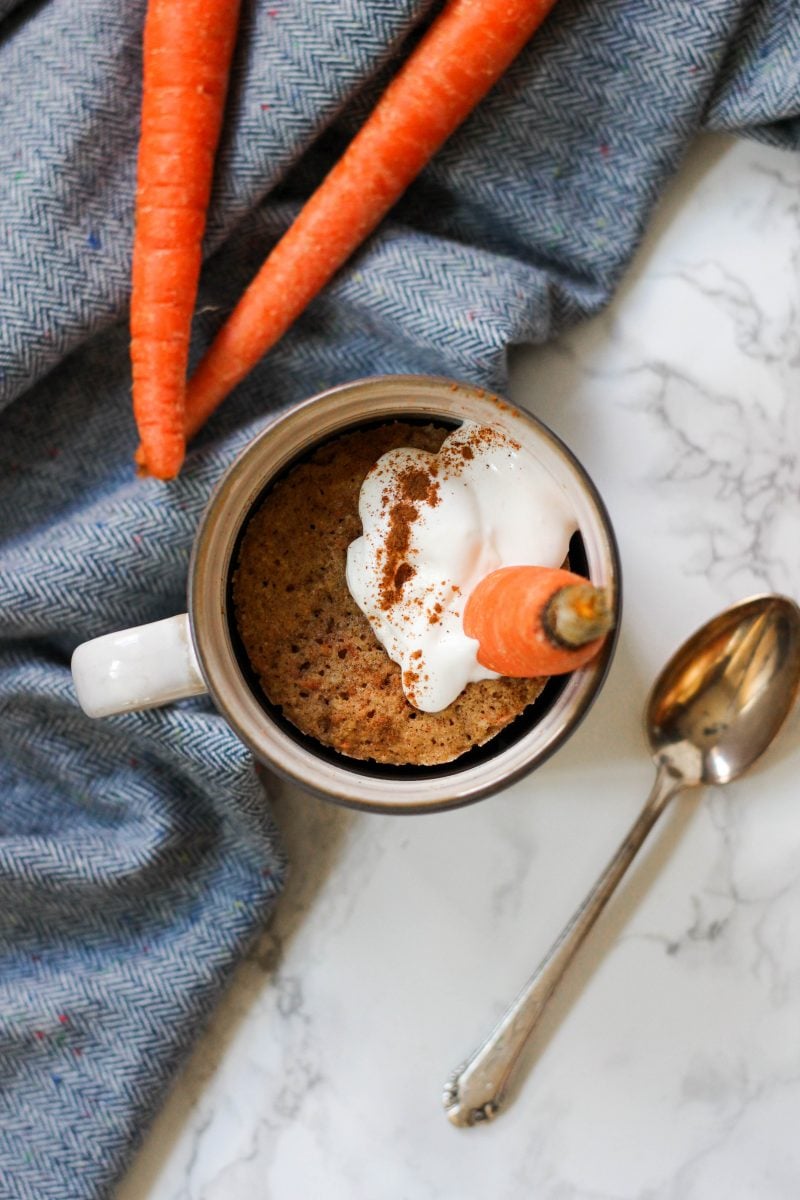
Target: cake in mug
[(354, 574)]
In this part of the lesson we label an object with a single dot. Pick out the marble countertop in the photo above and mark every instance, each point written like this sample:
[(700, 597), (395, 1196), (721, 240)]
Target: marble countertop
[(668, 1067)]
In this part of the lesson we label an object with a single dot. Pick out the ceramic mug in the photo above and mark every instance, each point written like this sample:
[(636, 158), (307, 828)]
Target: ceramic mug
[(199, 651)]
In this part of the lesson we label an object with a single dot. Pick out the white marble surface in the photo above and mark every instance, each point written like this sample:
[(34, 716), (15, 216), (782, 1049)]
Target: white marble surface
[(669, 1066)]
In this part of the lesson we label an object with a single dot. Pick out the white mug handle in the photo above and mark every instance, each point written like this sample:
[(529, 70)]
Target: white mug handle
[(137, 668)]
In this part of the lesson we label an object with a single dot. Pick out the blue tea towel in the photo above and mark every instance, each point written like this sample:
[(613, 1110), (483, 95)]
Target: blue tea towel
[(137, 854)]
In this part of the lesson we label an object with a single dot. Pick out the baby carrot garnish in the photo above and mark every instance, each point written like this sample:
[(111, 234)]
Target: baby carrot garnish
[(187, 53), (532, 621), (462, 55)]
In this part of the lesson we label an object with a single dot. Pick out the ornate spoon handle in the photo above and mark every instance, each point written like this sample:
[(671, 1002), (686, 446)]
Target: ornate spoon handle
[(476, 1090)]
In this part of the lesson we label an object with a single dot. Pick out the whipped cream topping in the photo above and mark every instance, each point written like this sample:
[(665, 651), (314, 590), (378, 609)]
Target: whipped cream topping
[(433, 526)]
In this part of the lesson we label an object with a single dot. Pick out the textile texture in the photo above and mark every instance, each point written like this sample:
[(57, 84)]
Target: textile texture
[(137, 854)]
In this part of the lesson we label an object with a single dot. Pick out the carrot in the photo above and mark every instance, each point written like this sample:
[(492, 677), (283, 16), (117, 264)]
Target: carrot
[(187, 53), (462, 55), (536, 621)]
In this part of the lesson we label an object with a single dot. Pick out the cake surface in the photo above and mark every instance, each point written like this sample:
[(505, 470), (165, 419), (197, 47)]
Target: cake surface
[(310, 645)]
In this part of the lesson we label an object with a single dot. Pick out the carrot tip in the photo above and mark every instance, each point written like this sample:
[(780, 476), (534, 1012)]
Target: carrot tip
[(145, 469)]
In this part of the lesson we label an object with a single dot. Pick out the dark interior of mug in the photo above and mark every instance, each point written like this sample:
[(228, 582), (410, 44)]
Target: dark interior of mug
[(517, 728)]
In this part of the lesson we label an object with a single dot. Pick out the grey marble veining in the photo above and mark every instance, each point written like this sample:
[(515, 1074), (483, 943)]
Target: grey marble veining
[(669, 1067)]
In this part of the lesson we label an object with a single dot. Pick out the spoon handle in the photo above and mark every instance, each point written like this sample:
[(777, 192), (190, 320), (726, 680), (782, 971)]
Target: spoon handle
[(476, 1090)]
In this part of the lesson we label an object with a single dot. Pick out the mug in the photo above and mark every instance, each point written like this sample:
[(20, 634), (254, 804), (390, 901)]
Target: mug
[(199, 651)]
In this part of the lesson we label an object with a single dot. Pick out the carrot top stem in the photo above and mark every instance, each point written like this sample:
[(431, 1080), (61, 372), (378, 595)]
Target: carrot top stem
[(577, 614)]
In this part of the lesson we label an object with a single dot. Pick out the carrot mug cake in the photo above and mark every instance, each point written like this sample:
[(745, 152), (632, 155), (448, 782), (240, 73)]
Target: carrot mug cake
[(356, 577), (378, 598)]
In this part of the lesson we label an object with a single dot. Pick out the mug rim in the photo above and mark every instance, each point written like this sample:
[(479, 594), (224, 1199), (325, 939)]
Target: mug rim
[(287, 437)]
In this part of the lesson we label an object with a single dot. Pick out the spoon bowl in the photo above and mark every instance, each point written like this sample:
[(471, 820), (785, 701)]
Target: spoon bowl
[(714, 709), (723, 696)]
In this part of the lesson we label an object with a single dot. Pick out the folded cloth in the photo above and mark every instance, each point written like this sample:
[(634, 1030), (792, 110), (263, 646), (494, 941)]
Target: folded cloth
[(137, 855)]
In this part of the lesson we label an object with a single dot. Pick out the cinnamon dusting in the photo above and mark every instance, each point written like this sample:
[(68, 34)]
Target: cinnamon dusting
[(414, 485)]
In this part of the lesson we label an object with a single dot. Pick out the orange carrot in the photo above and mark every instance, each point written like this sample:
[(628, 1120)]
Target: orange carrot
[(187, 53), (462, 55), (536, 621)]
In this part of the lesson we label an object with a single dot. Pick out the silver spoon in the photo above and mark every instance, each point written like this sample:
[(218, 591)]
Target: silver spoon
[(714, 709)]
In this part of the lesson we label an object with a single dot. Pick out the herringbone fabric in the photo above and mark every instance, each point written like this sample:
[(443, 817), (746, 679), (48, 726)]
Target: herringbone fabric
[(137, 854)]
